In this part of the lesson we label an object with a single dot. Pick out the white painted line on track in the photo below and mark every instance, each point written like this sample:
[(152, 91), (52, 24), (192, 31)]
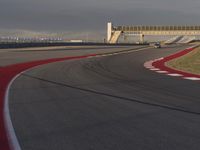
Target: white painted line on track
[(192, 78), (13, 142), (97, 56), (161, 71), (104, 55), (175, 75), (121, 52), (126, 52), (115, 53), (155, 69)]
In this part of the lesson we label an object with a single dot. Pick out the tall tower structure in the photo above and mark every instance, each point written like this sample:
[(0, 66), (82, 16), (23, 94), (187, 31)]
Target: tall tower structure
[(109, 31)]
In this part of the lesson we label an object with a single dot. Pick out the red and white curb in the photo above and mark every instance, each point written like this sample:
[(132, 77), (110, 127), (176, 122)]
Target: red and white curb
[(159, 66)]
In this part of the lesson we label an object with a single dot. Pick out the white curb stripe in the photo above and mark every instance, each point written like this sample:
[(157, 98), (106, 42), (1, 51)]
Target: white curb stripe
[(151, 67), (175, 75), (161, 71), (155, 69), (192, 78)]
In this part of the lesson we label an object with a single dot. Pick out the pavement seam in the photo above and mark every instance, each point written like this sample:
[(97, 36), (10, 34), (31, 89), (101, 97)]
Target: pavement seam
[(115, 96)]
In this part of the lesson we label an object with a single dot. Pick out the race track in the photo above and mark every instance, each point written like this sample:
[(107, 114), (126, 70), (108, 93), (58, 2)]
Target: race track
[(103, 103)]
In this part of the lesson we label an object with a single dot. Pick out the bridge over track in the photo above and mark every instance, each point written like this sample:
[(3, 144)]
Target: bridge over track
[(113, 33)]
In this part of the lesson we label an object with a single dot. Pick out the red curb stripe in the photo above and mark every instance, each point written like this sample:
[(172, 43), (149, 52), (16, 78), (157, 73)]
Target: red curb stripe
[(161, 64), (6, 75)]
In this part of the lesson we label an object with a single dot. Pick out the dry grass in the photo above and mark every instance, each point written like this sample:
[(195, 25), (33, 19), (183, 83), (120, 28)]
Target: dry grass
[(188, 63)]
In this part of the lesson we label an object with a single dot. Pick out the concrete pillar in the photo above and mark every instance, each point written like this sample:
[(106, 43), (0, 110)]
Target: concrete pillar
[(109, 31)]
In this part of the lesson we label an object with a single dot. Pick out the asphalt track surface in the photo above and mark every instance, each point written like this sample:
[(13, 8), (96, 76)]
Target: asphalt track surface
[(110, 103)]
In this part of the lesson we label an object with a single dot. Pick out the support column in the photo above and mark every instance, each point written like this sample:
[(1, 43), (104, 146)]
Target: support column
[(109, 32)]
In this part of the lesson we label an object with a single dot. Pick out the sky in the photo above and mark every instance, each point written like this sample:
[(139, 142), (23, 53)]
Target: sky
[(92, 15)]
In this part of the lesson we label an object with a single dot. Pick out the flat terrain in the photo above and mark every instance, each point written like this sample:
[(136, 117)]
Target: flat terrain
[(103, 103), (188, 63), (20, 55)]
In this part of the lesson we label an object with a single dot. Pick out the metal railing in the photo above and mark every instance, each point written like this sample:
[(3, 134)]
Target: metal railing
[(156, 28)]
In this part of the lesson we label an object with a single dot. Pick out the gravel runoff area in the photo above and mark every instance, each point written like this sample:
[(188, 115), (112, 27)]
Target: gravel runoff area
[(188, 63)]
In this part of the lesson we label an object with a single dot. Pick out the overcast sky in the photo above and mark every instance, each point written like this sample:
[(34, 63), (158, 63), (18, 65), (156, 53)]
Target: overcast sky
[(86, 15)]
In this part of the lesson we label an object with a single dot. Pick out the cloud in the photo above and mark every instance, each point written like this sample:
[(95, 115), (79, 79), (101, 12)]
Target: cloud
[(90, 15)]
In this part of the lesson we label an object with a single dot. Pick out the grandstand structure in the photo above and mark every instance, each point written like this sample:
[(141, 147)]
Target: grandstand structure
[(114, 32)]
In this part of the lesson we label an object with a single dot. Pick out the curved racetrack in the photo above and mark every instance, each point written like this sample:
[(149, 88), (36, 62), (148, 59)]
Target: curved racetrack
[(105, 103)]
